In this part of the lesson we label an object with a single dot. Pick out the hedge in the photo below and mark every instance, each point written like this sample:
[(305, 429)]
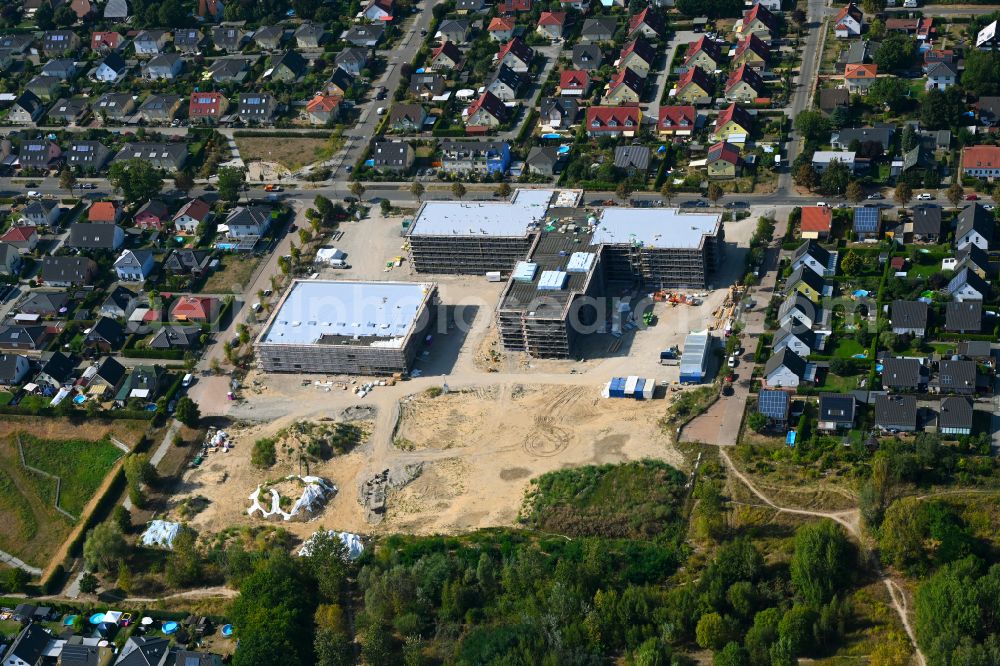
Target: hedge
[(116, 414), (167, 354)]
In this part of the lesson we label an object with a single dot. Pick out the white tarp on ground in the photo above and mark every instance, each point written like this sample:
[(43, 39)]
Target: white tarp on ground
[(352, 542), (326, 254), (313, 497), (160, 533)]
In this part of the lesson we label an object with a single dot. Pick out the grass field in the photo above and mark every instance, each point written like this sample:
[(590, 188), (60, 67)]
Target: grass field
[(81, 464), (845, 347), (290, 152), (232, 277)]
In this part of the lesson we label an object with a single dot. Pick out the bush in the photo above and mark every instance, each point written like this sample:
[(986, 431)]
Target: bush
[(264, 454)]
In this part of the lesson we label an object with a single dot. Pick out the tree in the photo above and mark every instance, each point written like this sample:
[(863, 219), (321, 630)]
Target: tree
[(138, 470), (822, 561), (136, 179), (125, 579), (835, 178), (187, 412), (982, 72), (105, 547), (902, 194), (334, 648), (813, 126), (458, 190), (798, 17), (733, 654), (942, 109), (623, 190), (44, 17), (892, 649), (668, 191), (873, 6), (263, 454), (717, 9), (417, 190), (503, 190), (14, 580), (183, 181), (231, 181), (88, 583), (714, 192), (67, 180), (757, 422), (955, 194), (895, 53), (806, 176), (890, 92), (855, 193), (385, 207), (357, 189), (853, 263), (714, 631)]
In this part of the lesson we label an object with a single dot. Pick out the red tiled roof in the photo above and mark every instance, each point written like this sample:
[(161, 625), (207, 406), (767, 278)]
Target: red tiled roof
[(761, 13), (327, 103), (206, 104), (108, 39), (851, 9), (612, 118), (736, 114), (746, 75), (448, 49), (860, 71), (102, 211), (981, 157), (725, 152), (625, 77), (755, 44), (508, 6), (193, 307), (19, 234), (196, 209), (501, 24), (816, 218), (518, 48), (703, 44), (552, 18), (646, 16), (697, 76), (574, 79), (491, 104), (641, 48), (677, 116)]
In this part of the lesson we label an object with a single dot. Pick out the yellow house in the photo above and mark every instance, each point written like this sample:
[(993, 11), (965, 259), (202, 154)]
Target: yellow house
[(624, 88), (723, 161), (703, 53), (806, 282), (733, 122), (694, 84), (752, 52), (744, 85), (757, 21), (638, 55)]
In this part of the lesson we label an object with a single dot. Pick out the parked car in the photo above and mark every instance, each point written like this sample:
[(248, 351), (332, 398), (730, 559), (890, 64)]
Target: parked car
[(972, 197), (924, 196), (732, 361), (875, 196)]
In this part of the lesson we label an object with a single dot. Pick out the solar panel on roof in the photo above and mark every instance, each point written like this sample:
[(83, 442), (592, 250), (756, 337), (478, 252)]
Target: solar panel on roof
[(772, 403), (866, 219)]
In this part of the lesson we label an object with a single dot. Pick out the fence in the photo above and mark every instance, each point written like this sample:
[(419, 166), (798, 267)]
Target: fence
[(24, 463)]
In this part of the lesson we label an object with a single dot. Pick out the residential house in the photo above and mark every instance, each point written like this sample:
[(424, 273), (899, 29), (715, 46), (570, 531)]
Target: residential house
[(505, 84), (152, 215), (407, 118), (110, 373), (105, 336), (612, 120), (837, 411), (287, 67), (752, 52), (859, 78), (392, 156), (802, 342), (858, 52), (574, 82), (116, 11), (87, 236), (625, 87), (558, 112), (87, 156), (45, 303), (10, 260), (31, 338), (723, 160), (647, 23), (228, 38), (323, 109), (501, 28), (207, 107), (446, 56), (26, 109), (471, 6), (849, 22), (29, 647), (974, 258), (368, 36), (200, 309), (150, 42), (744, 85), (516, 54), (111, 68), (487, 110), (988, 109), (552, 24), (104, 212), (941, 76), (339, 84), (896, 413), (135, 265), (44, 213), (45, 87), (174, 336), (903, 374), (39, 154), (61, 68), (57, 371), (693, 86), (677, 121), (975, 226), (586, 57), (955, 417), (185, 261), (60, 42), (117, 107), (816, 222), (734, 124), (822, 159), (230, 70), (816, 258), (189, 40), (269, 38), (165, 66), (23, 238), (921, 28), (831, 99), (806, 283), (784, 369), (453, 30), (908, 318), (704, 53), (17, 44), (379, 10), (963, 317), (981, 162), (248, 222), (948, 56), (68, 271), (757, 21), (144, 651), (926, 225), (160, 109), (775, 404), (352, 60), (599, 29), (311, 36), (514, 6), (955, 377), (634, 160), (797, 312), (968, 286), (257, 108), (881, 136), (639, 56), (542, 160), (427, 85), (119, 304), (460, 157)]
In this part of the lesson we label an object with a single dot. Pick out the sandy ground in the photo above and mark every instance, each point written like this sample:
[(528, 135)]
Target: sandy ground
[(468, 480)]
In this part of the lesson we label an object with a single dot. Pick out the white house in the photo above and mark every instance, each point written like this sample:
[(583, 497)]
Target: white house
[(784, 369), (822, 159), (941, 76), (801, 342), (110, 69), (848, 22), (190, 215), (814, 256), (134, 265)]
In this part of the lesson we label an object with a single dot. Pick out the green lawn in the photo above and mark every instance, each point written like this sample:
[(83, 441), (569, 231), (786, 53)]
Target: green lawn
[(838, 384), (5, 397), (81, 464), (845, 347)]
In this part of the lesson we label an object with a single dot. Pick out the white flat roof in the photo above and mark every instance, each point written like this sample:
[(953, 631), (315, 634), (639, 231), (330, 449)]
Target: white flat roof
[(482, 218), (654, 227), (314, 308)]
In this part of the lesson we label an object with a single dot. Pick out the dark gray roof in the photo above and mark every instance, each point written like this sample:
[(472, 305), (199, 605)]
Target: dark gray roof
[(807, 337), (815, 250), (97, 236), (567, 107), (973, 256), (908, 314), (786, 357), (977, 218), (956, 412), (901, 373), (21, 337), (506, 75), (831, 98), (974, 349), (143, 652), (880, 135), (292, 60), (836, 407), (391, 153), (926, 220), (8, 367), (44, 301), (111, 371), (542, 155), (587, 57), (428, 82), (895, 410), (176, 336), (601, 25), (956, 375), (68, 269), (797, 302), (963, 316), (30, 644), (632, 157), (805, 275), (59, 367), (108, 330), (79, 655)]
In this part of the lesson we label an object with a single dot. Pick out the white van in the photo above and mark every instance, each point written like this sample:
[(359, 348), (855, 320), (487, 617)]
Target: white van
[(188, 380)]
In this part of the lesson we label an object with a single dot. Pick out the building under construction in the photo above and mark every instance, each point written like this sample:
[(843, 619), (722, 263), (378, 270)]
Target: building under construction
[(344, 327)]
